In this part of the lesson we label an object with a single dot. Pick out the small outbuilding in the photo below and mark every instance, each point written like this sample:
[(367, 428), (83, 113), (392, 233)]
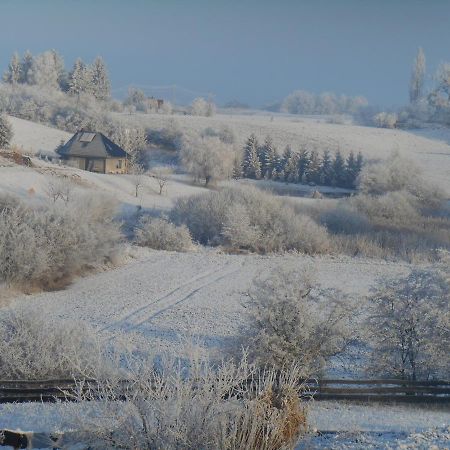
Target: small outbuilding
[(93, 151)]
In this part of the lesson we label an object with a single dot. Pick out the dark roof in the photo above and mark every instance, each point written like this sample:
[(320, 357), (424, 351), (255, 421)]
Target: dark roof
[(90, 144)]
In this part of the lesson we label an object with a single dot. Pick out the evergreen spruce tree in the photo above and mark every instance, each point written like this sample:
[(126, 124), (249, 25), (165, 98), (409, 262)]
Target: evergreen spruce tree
[(78, 78), (13, 74), (351, 170), (339, 172), (303, 164), (326, 169), (267, 157), (291, 168), (6, 133), (359, 162), (62, 76), (314, 167), (238, 171), (26, 66), (251, 164), (101, 86)]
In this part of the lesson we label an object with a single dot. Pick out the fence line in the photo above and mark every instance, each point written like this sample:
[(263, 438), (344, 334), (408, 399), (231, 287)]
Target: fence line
[(388, 390)]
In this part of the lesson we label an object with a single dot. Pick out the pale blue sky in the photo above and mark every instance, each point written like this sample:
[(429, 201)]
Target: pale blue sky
[(254, 51)]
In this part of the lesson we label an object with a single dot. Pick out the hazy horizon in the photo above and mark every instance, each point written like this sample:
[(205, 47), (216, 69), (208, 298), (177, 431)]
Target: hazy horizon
[(255, 52)]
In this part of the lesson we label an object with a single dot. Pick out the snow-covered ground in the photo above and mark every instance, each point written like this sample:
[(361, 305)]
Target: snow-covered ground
[(429, 148), (156, 297), (161, 296), (341, 425), (33, 137)]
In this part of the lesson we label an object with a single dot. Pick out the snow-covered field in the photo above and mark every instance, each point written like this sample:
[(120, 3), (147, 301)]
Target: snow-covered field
[(162, 296), (157, 297), (429, 148)]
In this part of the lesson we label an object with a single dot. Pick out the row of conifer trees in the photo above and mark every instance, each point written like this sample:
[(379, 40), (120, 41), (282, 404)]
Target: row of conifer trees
[(264, 162)]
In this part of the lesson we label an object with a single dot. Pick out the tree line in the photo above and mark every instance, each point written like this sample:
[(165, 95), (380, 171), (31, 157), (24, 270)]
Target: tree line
[(48, 70), (264, 161)]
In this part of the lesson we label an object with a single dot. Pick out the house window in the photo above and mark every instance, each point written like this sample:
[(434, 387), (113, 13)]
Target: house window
[(119, 164)]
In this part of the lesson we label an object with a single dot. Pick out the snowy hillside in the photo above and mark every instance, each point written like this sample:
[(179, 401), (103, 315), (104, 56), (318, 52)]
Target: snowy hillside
[(430, 150), (33, 137)]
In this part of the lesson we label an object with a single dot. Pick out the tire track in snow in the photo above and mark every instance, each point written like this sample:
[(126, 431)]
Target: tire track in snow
[(170, 299)]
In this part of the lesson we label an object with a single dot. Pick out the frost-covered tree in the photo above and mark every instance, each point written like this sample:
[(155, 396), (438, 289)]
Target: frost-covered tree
[(299, 102), (136, 99), (202, 107), (26, 68), (251, 164), (133, 140), (352, 170), (314, 167), (326, 169), (303, 165), (13, 74), (6, 132), (207, 159), (100, 84), (339, 172), (409, 324), (78, 78), (295, 321), (62, 76), (416, 84), (45, 71), (291, 167), (267, 156)]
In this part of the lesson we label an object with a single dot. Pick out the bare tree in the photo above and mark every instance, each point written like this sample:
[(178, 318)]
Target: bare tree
[(162, 176), (409, 325), (137, 173), (60, 189)]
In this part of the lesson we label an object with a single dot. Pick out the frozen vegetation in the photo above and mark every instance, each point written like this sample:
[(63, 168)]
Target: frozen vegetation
[(220, 238)]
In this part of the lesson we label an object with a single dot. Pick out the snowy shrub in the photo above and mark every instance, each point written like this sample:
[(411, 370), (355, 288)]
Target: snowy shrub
[(294, 321), (33, 348), (409, 326), (385, 120), (247, 218), (161, 234), (343, 219), (394, 207), (194, 405), (201, 107), (225, 134), (45, 247), (170, 136), (6, 132), (207, 159)]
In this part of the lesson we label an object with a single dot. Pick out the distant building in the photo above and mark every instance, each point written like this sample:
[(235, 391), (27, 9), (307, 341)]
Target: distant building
[(93, 151)]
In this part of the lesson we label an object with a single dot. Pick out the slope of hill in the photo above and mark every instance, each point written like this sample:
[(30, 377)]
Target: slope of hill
[(429, 150), (34, 137)]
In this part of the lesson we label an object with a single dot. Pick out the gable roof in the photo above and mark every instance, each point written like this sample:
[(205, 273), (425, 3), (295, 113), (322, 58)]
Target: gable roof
[(90, 144)]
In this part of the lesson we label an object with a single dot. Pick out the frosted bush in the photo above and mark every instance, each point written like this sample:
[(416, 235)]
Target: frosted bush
[(247, 218), (45, 247), (385, 120), (345, 220), (394, 207), (161, 234), (409, 326), (193, 405), (292, 320), (201, 107), (207, 159), (397, 173), (33, 348)]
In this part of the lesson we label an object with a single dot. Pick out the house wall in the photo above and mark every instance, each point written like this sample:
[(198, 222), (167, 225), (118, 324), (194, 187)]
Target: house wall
[(116, 165), (73, 161)]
